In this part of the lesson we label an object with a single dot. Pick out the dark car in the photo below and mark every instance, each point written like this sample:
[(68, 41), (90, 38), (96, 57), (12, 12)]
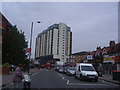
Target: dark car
[(70, 71), (12, 67)]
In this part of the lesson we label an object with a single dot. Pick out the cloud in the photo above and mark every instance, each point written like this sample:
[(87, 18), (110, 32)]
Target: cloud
[(92, 23)]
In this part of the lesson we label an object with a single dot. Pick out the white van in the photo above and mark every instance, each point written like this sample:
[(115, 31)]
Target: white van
[(85, 71)]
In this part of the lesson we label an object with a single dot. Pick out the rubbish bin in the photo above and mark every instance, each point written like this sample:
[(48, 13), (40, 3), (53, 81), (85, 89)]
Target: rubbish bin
[(116, 75)]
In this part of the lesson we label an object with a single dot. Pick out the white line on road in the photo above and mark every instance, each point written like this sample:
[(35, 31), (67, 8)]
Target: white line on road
[(103, 81), (63, 77), (45, 69), (68, 82), (59, 74), (33, 74), (85, 84)]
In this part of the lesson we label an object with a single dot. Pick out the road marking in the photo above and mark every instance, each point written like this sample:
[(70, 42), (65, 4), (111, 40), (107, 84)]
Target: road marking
[(68, 82), (85, 84), (36, 73), (59, 74), (45, 69), (103, 81), (63, 77)]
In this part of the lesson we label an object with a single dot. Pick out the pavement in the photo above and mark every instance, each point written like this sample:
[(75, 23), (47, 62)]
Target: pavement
[(109, 78), (7, 78)]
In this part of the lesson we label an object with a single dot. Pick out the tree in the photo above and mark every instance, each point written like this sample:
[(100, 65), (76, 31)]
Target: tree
[(14, 44)]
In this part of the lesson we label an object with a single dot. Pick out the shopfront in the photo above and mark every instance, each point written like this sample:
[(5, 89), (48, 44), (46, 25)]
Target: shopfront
[(116, 71), (107, 64)]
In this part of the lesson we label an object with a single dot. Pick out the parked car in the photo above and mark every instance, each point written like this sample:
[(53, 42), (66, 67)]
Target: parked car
[(12, 67), (57, 68), (86, 71), (65, 69), (42, 65), (48, 66), (70, 71), (61, 69)]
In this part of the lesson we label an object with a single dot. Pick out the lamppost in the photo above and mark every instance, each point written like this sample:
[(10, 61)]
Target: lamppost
[(31, 39)]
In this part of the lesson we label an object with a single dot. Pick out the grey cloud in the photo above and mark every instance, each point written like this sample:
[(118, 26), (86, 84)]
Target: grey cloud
[(93, 24)]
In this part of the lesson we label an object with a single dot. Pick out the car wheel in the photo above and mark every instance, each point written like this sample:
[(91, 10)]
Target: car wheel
[(96, 80), (75, 76)]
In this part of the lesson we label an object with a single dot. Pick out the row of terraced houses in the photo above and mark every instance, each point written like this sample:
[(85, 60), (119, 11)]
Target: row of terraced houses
[(106, 59)]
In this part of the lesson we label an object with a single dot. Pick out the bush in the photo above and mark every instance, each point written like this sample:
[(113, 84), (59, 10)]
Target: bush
[(5, 65)]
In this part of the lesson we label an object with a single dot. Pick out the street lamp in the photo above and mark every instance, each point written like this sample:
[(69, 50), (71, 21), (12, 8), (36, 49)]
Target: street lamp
[(31, 39)]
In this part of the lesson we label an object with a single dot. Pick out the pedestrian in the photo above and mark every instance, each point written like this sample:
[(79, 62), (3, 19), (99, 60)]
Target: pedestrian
[(17, 78)]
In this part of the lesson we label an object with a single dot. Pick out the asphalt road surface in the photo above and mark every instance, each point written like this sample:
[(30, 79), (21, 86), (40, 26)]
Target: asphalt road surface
[(49, 78)]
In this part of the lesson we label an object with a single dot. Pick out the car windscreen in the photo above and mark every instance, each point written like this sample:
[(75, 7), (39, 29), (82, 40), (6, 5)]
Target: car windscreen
[(71, 68), (66, 67), (61, 67), (87, 68)]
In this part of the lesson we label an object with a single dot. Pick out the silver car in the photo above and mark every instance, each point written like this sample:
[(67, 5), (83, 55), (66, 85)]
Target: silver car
[(70, 71), (60, 69)]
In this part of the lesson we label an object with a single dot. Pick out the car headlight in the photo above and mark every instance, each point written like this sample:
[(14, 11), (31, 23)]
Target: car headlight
[(84, 74), (96, 74)]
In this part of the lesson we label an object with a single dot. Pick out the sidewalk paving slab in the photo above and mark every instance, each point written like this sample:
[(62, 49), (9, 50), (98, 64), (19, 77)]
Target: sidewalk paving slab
[(108, 77), (7, 78)]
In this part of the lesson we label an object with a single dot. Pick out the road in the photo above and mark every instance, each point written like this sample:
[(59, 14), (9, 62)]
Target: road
[(52, 79)]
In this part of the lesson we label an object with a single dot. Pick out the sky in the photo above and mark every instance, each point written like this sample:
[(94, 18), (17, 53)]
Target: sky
[(92, 24)]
